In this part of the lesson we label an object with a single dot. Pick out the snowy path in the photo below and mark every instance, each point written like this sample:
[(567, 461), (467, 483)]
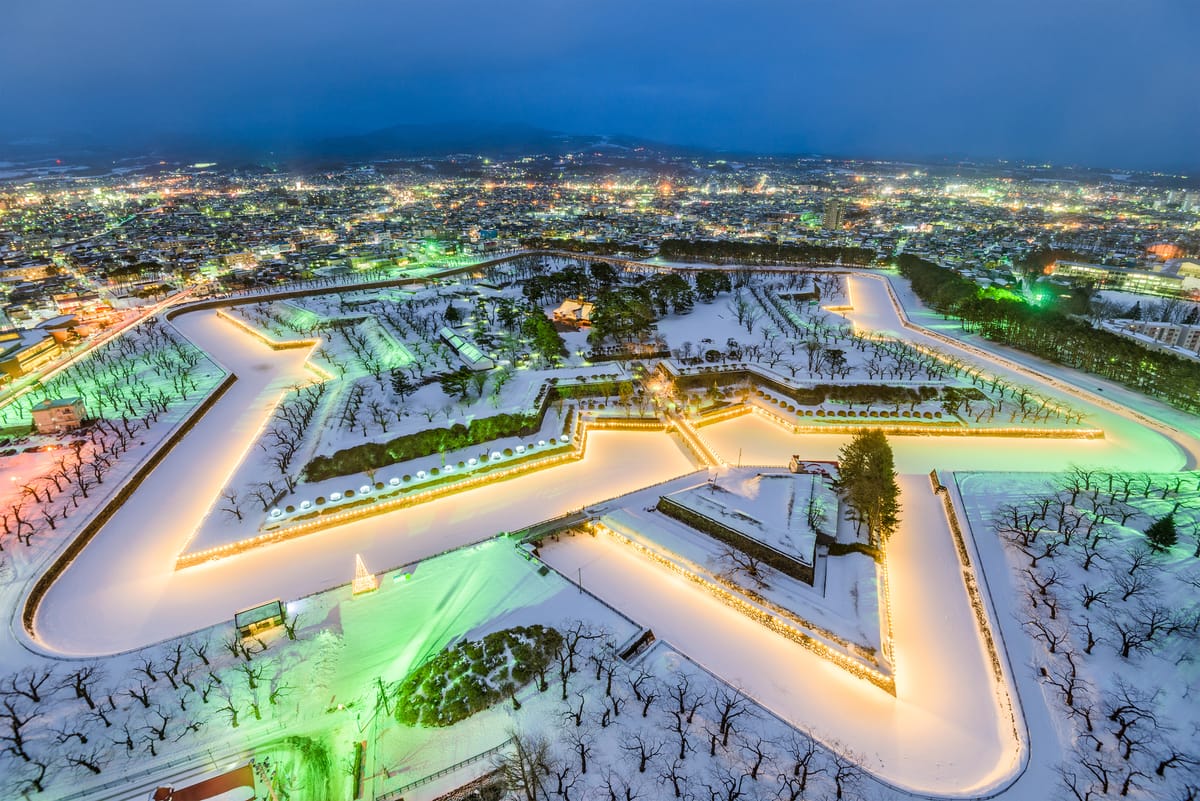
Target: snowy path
[(1125, 437), (942, 733), (123, 593)]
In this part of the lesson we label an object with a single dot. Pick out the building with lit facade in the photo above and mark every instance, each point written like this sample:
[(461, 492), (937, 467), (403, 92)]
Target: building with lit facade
[(1176, 278), (54, 416)]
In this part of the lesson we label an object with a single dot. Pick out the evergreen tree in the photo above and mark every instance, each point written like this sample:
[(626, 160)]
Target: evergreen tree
[(867, 482), (402, 385), (623, 316), (457, 384), (1162, 534), (709, 283)]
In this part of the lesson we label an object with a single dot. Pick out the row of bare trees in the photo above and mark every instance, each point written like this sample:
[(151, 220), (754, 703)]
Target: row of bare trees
[(1114, 618), (630, 731), (136, 375), (59, 722), (44, 501)]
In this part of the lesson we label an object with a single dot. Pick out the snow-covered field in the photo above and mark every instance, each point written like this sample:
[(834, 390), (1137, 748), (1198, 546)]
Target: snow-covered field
[(951, 729), (1101, 628), (944, 732), (769, 507)]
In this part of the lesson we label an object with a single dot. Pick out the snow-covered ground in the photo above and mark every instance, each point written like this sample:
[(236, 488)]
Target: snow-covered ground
[(1094, 713), (123, 591), (944, 732), (948, 729), (768, 507)]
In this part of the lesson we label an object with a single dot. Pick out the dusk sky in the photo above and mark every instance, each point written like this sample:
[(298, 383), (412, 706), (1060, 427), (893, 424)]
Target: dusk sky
[(1086, 81)]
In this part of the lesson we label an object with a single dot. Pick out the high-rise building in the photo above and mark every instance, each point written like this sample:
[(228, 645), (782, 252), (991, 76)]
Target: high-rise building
[(835, 212)]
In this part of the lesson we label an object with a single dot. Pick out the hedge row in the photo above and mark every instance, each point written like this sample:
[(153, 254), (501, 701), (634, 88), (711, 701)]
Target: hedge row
[(747, 545), (817, 394), (374, 455), (723, 250)]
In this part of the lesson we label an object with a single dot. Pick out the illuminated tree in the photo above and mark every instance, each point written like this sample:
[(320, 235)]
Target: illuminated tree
[(867, 481)]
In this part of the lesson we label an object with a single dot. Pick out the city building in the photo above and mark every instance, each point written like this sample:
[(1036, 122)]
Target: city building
[(1175, 278), (54, 416), (574, 311), (835, 213), (24, 351), (1170, 335)]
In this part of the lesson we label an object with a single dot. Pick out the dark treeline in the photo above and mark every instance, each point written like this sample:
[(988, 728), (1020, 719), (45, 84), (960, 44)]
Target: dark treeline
[(721, 251), (1055, 336), (582, 246)]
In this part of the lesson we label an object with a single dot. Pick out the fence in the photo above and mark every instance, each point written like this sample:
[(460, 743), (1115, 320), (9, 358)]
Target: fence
[(397, 794)]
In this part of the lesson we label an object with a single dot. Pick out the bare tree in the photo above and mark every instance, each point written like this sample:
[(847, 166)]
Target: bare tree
[(1176, 758), (643, 749), (1088, 595), (1134, 713), (31, 683), (687, 700), (802, 752), (32, 776), (1128, 634), (278, 690), (645, 686), (846, 774), (756, 752), (103, 711), (199, 649), (1132, 584), (141, 693), (1078, 781), (681, 727), (1066, 679), (74, 729), (737, 561), (575, 713), (12, 732), (231, 505), (730, 703), (158, 726), (1054, 636), (253, 674), (231, 710), (675, 774), (729, 784), (582, 743), (147, 668), (93, 759)]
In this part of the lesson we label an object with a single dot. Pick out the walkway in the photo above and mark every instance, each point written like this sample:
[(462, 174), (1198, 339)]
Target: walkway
[(942, 733)]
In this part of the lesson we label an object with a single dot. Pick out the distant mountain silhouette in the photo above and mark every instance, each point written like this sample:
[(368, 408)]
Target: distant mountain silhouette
[(479, 138)]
